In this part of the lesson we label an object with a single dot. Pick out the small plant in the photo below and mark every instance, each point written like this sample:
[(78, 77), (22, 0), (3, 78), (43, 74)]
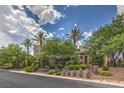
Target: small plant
[(105, 68), (57, 66), (58, 73), (28, 69), (51, 72), (77, 67), (83, 66), (106, 73), (35, 67), (122, 64), (71, 67)]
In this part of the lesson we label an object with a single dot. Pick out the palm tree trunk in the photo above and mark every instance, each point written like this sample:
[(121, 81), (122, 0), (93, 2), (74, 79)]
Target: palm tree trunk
[(40, 47), (27, 58)]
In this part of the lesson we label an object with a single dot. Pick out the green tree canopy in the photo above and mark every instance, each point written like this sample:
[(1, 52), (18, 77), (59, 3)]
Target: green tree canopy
[(107, 40), (12, 54)]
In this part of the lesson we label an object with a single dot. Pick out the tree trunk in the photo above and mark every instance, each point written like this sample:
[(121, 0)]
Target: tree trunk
[(27, 58), (106, 60), (40, 47), (113, 60)]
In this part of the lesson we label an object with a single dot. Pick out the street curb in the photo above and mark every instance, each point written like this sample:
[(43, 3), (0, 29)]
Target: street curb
[(69, 78)]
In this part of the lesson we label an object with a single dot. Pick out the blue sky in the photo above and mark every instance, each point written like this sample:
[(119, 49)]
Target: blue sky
[(87, 18)]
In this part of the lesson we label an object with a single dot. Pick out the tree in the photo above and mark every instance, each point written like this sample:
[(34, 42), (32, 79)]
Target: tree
[(40, 37), (107, 41), (27, 43), (75, 35), (57, 48), (12, 54)]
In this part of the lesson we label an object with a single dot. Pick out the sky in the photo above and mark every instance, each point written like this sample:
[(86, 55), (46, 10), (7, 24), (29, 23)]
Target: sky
[(87, 18), (20, 22)]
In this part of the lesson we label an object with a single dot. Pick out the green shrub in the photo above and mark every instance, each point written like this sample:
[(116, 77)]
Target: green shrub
[(83, 66), (29, 69), (6, 67), (57, 66), (71, 67), (106, 73), (105, 68), (35, 67), (121, 64), (51, 72), (77, 67)]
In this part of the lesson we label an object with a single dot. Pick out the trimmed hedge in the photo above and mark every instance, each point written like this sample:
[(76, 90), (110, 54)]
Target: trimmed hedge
[(57, 66), (77, 67), (106, 73), (28, 69), (71, 67), (83, 66)]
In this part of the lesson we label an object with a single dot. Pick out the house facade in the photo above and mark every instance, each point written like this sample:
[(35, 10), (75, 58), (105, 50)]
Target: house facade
[(82, 51)]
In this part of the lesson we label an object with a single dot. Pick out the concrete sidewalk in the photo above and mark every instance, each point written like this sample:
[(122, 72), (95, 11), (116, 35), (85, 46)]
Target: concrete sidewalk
[(115, 83)]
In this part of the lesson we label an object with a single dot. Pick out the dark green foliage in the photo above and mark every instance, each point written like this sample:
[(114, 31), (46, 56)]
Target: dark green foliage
[(57, 66), (77, 67)]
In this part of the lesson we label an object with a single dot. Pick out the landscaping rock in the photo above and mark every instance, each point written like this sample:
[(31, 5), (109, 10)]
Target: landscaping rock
[(81, 73), (88, 73)]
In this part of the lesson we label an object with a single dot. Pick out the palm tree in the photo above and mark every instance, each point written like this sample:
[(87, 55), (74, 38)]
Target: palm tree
[(27, 43), (75, 35), (40, 37)]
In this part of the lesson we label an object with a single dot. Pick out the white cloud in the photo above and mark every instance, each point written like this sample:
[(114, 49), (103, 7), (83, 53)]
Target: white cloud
[(79, 43), (46, 13), (61, 29), (87, 34), (15, 26), (67, 6), (75, 24), (120, 9)]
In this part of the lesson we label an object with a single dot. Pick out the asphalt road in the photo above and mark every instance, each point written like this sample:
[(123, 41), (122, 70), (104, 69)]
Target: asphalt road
[(15, 80)]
